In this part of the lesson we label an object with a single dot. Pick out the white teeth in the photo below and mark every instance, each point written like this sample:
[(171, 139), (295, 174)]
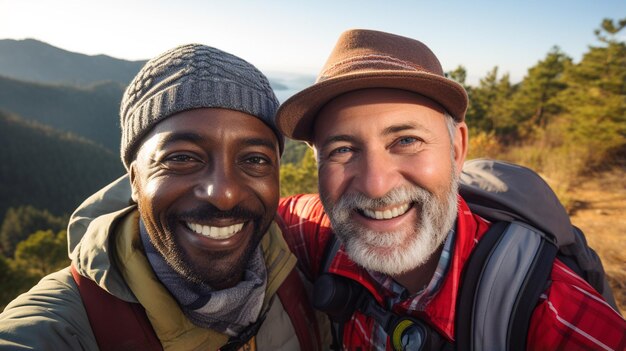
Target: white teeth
[(387, 214), (215, 232), (394, 212)]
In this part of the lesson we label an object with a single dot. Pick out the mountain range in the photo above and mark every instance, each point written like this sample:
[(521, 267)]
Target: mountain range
[(60, 126), (36, 61)]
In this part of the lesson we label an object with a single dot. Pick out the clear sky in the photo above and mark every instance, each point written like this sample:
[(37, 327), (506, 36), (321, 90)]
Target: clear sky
[(297, 36)]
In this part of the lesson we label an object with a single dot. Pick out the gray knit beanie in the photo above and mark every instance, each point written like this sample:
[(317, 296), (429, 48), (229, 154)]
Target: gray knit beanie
[(188, 77)]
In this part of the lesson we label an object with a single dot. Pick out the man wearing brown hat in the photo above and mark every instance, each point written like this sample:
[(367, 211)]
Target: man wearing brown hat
[(389, 133), (196, 260)]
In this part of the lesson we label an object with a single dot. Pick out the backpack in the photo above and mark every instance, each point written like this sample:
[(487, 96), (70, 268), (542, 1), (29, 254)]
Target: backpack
[(509, 268)]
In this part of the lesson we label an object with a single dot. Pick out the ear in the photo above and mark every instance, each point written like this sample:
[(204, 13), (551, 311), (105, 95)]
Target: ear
[(132, 175), (460, 145)]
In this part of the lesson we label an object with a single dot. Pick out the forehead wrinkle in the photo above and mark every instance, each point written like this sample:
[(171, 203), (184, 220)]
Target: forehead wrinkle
[(171, 138), (396, 128), (160, 141), (338, 138), (264, 142)]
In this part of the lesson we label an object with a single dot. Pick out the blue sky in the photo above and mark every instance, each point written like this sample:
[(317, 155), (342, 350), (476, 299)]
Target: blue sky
[(297, 36)]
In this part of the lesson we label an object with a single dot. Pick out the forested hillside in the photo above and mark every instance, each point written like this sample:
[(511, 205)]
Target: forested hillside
[(49, 169), (89, 112)]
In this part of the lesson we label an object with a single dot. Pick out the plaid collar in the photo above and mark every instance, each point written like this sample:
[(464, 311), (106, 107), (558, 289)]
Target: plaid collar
[(437, 304), (385, 289), (398, 293)]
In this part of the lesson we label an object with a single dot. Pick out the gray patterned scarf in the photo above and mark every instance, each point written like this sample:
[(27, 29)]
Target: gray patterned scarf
[(227, 311)]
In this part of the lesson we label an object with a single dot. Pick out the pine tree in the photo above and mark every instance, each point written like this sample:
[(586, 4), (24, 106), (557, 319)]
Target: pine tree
[(299, 178), (595, 99), (489, 103), (533, 105), (42, 253), (20, 222)]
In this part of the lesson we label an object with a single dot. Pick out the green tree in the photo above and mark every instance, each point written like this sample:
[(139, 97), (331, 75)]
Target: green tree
[(294, 151), (459, 74), (299, 178), (533, 104), (13, 281), (20, 222), (490, 103), (594, 102), (42, 253)]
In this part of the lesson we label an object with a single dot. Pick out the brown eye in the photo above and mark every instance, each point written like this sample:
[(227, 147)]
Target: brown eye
[(180, 158), (258, 160), (181, 163)]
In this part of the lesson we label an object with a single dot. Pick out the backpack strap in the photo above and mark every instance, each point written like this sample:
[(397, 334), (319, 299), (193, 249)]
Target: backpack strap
[(296, 302), (340, 297), (336, 326), (501, 284), (116, 324)]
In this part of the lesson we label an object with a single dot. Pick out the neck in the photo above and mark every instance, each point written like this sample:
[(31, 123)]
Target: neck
[(418, 278), (229, 283)]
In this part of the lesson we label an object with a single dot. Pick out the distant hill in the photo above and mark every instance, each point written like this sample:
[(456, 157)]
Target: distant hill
[(49, 169), (79, 93), (90, 112), (36, 61)]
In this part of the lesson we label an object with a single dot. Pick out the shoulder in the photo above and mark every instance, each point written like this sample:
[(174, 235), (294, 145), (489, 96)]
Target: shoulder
[(307, 229), (302, 205), (572, 315), (304, 213), (53, 311)]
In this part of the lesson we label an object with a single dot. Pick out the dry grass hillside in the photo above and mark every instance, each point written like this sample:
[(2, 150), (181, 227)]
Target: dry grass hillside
[(598, 207)]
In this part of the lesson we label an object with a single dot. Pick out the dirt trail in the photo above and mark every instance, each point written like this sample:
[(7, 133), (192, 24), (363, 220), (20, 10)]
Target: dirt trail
[(600, 211)]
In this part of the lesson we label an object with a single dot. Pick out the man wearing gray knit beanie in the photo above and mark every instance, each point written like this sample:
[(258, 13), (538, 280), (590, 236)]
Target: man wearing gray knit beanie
[(196, 261)]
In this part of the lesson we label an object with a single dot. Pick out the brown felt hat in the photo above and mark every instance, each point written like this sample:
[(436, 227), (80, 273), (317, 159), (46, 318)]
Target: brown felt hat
[(365, 59)]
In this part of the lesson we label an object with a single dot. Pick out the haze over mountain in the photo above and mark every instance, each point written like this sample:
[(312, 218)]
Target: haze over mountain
[(36, 61), (80, 93)]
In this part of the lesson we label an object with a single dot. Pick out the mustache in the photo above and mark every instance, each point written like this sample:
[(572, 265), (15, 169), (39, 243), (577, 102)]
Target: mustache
[(396, 196), (208, 212)]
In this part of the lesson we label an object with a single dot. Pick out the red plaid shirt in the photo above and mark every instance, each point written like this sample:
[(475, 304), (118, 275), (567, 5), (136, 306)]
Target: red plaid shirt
[(570, 315)]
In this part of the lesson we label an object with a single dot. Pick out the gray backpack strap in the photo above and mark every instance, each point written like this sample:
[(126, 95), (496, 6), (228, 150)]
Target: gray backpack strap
[(501, 284)]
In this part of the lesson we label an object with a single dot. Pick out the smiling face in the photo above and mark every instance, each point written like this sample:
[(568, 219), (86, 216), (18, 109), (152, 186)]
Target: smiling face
[(206, 184), (388, 173)]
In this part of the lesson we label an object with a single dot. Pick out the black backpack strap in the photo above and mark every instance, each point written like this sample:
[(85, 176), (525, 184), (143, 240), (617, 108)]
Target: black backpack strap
[(501, 284), (332, 247), (336, 327)]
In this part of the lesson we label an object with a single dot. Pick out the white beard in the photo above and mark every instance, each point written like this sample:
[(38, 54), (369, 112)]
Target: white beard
[(394, 253)]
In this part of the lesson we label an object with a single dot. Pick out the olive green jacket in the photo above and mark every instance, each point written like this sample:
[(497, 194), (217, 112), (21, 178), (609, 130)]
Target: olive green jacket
[(51, 316)]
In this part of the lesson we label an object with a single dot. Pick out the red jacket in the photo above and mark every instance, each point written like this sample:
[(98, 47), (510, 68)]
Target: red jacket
[(570, 315)]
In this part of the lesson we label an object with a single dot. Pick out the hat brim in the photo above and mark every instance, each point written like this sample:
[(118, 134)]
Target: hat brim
[(295, 117)]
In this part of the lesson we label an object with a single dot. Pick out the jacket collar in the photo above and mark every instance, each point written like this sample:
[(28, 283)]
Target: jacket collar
[(170, 324), (439, 311)]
